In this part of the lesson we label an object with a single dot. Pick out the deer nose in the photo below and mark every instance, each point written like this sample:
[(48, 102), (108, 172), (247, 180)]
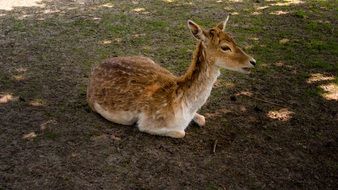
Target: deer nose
[(253, 62)]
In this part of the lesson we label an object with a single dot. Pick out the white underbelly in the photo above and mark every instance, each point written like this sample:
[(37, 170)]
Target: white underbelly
[(120, 117)]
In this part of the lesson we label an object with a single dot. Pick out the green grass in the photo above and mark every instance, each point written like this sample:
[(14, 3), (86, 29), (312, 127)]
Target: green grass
[(212, 186), (165, 37), (301, 14), (50, 135), (19, 25), (322, 64), (313, 92)]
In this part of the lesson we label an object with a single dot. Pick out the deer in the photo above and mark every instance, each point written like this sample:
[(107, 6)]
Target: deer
[(135, 90)]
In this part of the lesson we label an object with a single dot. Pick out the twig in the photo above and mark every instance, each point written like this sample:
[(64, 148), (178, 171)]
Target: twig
[(214, 147), (265, 101)]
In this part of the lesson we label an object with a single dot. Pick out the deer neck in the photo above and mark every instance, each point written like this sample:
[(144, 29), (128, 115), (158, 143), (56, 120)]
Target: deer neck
[(196, 84)]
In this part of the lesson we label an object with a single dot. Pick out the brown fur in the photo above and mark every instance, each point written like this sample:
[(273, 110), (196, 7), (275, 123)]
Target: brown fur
[(138, 84), (131, 83)]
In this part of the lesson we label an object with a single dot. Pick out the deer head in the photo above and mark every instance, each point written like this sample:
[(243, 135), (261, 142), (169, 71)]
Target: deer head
[(221, 49)]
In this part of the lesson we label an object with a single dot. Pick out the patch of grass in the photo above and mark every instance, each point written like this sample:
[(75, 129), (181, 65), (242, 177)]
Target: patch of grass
[(314, 91), (317, 45), (312, 25), (322, 64), (51, 135), (336, 80), (327, 4), (157, 25), (301, 14), (316, 26), (212, 186), (18, 25)]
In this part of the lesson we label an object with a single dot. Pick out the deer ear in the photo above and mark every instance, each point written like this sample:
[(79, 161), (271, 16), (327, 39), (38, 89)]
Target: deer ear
[(223, 24), (196, 30)]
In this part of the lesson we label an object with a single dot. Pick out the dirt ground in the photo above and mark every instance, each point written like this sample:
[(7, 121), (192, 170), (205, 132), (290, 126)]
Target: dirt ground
[(273, 129)]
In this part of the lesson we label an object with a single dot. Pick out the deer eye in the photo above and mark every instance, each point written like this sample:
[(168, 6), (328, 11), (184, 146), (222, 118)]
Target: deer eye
[(225, 48)]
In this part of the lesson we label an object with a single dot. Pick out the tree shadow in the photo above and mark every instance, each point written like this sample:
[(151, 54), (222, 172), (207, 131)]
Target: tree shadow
[(275, 128)]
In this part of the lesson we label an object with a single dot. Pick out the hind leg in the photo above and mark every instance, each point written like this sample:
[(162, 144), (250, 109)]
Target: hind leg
[(158, 128)]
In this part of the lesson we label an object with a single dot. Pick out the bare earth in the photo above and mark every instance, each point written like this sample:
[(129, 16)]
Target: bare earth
[(273, 129)]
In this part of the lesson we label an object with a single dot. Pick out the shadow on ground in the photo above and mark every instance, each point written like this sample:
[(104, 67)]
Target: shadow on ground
[(275, 128)]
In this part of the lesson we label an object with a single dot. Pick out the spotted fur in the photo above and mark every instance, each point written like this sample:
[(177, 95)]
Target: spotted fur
[(136, 90)]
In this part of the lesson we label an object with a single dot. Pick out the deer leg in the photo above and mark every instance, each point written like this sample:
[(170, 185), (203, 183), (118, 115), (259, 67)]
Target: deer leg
[(174, 133), (157, 128), (199, 120)]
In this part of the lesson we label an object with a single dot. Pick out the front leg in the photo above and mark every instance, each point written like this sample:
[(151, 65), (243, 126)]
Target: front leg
[(199, 120)]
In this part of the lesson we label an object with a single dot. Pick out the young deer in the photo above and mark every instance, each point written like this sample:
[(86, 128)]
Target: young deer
[(129, 90)]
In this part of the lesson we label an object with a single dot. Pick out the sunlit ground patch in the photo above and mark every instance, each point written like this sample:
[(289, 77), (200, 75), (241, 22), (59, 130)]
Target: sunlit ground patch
[(10, 4), (37, 102), (279, 12), (244, 93), (107, 5), (47, 124), (19, 77), (234, 13), (105, 42), (284, 41), (282, 115), (262, 7), (254, 38), (330, 91), (169, 1), (5, 98), (118, 40), (97, 18), (288, 3), (317, 77), (29, 136), (50, 11), (21, 69), (140, 10), (138, 35)]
